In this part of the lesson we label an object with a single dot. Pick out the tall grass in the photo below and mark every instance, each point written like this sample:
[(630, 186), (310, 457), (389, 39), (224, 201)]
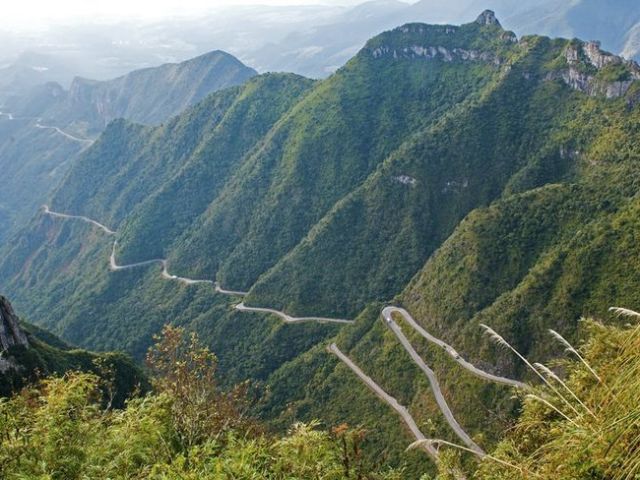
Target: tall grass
[(502, 342), (603, 379)]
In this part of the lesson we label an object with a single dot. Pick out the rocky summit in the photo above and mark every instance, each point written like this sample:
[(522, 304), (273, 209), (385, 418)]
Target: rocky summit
[(488, 17)]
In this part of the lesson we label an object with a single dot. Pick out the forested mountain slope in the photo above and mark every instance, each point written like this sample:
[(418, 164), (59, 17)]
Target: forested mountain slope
[(469, 175), (42, 132)]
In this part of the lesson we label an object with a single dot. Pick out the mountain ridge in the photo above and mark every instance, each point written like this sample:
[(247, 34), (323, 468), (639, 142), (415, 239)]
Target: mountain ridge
[(96, 102), (37, 160), (444, 180)]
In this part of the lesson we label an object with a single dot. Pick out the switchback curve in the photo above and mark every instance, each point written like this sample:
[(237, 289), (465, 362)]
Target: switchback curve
[(73, 138), (387, 313), (388, 399)]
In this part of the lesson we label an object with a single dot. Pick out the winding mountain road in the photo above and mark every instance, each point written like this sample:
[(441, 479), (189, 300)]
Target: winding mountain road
[(388, 399), (387, 315), (113, 266), (288, 318), (73, 138), (105, 229), (238, 293), (86, 141), (435, 386)]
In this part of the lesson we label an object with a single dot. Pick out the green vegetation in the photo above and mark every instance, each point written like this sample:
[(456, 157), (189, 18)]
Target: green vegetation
[(470, 189), (36, 160), (591, 428), (614, 72), (48, 355), (186, 429), (586, 425)]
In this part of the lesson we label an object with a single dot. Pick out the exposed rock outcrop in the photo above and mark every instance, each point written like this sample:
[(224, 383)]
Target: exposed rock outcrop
[(597, 57), (406, 180), (436, 53), (437, 48), (582, 56), (488, 17), (10, 332)]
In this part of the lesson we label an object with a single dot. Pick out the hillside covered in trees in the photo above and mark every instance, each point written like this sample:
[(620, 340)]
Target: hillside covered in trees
[(465, 174)]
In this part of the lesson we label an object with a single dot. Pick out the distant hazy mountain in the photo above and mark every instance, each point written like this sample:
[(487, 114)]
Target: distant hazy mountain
[(311, 40), (146, 96), (104, 51), (35, 155), (319, 50), (31, 69), (615, 23)]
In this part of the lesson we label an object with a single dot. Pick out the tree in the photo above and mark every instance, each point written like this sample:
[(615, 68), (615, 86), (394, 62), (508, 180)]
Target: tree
[(185, 370)]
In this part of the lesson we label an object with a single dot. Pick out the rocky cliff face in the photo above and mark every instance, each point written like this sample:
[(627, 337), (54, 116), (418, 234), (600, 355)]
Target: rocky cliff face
[(436, 52), (488, 17), (585, 63), (447, 43), (10, 332)]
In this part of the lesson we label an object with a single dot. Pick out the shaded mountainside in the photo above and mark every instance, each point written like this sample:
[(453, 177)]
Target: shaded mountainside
[(36, 156), (466, 174), (28, 352), (35, 160)]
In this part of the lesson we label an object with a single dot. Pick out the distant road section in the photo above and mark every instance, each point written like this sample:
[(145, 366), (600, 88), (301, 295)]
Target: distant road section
[(102, 227), (73, 138), (58, 130)]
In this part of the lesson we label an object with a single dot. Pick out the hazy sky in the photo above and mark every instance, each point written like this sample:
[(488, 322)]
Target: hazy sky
[(18, 14)]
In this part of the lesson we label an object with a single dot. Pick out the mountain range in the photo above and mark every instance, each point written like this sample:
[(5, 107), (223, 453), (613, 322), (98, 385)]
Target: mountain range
[(310, 40), (464, 173), (41, 132), (318, 51)]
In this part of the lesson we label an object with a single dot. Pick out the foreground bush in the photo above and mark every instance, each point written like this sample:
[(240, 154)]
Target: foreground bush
[(60, 429)]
